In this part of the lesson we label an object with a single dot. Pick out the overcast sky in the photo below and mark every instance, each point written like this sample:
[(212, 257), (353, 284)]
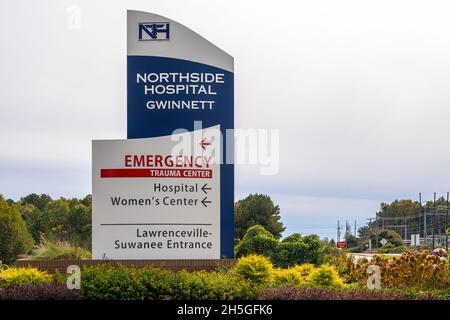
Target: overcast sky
[(358, 89)]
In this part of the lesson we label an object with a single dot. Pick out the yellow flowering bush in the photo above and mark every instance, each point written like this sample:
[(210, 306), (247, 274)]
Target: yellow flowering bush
[(304, 270), (23, 276), (325, 276), (307, 275), (255, 268), (289, 276)]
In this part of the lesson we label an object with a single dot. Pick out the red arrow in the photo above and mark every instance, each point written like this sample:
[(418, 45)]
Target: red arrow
[(204, 143)]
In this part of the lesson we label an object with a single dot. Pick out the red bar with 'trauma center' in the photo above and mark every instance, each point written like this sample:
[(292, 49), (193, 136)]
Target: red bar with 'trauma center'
[(156, 173)]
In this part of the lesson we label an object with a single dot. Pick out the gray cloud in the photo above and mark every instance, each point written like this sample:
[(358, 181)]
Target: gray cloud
[(359, 91)]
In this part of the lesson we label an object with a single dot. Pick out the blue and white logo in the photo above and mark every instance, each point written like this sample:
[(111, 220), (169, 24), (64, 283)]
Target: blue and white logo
[(154, 31)]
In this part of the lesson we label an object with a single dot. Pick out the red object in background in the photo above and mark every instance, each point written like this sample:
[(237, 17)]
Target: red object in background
[(341, 244)]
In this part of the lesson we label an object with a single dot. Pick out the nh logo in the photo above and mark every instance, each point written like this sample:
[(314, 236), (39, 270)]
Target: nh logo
[(149, 31)]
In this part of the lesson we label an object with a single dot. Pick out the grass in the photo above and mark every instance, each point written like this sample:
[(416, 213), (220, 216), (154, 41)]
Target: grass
[(59, 250)]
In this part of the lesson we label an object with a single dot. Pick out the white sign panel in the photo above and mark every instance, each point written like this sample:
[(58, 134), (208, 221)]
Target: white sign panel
[(153, 202), (415, 240)]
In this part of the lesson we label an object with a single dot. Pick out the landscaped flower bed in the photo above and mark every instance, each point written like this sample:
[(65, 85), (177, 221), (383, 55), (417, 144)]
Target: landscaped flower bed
[(252, 277), (298, 293), (412, 270)]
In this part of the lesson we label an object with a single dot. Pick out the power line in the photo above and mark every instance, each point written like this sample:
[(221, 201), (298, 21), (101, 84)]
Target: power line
[(432, 220)]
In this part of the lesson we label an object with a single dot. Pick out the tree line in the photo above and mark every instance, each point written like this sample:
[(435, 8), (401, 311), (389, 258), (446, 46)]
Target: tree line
[(258, 227), (24, 223), (34, 218)]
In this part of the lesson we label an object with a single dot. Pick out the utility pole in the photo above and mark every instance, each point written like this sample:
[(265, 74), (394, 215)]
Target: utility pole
[(370, 240), (432, 232), (376, 232), (355, 225), (446, 224), (348, 229), (406, 229), (433, 219), (420, 203), (338, 232), (425, 222)]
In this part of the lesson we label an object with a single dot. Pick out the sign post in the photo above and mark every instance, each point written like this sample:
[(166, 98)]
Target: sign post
[(415, 240), (167, 192)]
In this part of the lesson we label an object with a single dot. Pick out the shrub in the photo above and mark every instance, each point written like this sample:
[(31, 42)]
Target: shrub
[(295, 293), (329, 254), (290, 253), (325, 276), (390, 235), (255, 268), (257, 240), (304, 270), (390, 248), (156, 283), (23, 276), (106, 282), (210, 286), (315, 253), (59, 250), (39, 291), (292, 250), (412, 270), (283, 277), (295, 237), (296, 249)]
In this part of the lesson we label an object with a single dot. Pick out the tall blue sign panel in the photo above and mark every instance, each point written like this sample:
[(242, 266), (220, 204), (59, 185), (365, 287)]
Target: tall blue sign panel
[(174, 62)]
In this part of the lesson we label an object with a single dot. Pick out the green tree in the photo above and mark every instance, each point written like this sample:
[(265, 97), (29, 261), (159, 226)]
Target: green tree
[(257, 209), (401, 212), (314, 245), (257, 240), (87, 201), (390, 235), (290, 253), (55, 219), (363, 232), (62, 219), (79, 224), (33, 219), (292, 238), (352, 241), (39, 201), (14, 236), (292, 250), (296, 249)]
